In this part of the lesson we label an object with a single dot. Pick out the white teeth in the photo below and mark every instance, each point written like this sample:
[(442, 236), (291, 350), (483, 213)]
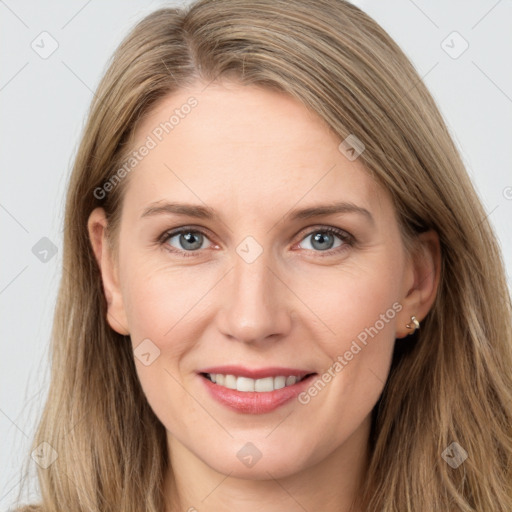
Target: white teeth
[(266, 384), (230, 382), (279, 382), (245, 384), (291, 380)]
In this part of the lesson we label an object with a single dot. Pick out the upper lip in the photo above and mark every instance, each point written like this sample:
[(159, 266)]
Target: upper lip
[(255, 373)]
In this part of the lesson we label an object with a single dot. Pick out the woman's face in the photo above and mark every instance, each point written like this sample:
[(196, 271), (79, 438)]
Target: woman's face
[(262, 280)]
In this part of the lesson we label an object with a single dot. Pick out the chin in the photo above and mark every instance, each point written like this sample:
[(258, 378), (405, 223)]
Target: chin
[(251, 463)]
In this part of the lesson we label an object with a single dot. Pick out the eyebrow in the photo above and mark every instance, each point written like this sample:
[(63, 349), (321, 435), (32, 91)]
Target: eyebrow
[(205, 212)]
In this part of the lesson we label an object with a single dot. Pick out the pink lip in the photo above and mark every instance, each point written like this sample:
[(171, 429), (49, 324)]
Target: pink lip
[(261, 373), (251, 402)]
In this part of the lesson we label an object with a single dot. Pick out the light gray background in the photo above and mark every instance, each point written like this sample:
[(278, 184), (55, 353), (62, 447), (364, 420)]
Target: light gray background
[(44, 102)]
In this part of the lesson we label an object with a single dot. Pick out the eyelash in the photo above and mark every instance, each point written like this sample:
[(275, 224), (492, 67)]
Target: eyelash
[(346, 238)]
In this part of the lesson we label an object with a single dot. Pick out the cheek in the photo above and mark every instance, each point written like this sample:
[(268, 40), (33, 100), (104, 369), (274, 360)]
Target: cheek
[(159, 300), (163, 307), (359, 306), (357, 301)]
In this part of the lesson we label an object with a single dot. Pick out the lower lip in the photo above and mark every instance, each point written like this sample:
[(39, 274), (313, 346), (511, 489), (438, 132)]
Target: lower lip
[(252, 402)]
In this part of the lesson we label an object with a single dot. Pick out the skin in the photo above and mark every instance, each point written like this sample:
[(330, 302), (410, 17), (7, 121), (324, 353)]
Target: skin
[(253, 155)]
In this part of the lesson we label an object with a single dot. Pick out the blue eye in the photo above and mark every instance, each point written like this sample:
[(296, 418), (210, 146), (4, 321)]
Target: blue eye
[(188, 241), (324, 239)]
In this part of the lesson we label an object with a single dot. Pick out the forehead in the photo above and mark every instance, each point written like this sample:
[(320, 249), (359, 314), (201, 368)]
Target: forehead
[(242, 148)]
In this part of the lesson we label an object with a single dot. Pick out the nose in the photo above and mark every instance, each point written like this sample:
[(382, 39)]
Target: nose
[(256, 305)]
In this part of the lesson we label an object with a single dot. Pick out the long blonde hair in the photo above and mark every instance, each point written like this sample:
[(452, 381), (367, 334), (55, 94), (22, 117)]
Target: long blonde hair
[(449, 382)]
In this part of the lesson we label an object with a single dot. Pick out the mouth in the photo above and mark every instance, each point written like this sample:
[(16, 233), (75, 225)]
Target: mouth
[(254, 391)]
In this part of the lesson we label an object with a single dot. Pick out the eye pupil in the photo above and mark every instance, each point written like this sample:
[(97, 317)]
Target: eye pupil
[(322, 237), (189, 239)]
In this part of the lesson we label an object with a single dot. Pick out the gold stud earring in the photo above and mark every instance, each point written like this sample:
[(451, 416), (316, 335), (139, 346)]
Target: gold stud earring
[(415, 324)]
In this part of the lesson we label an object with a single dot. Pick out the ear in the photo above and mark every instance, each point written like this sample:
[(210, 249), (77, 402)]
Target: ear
[(116, 315), (422, 280)]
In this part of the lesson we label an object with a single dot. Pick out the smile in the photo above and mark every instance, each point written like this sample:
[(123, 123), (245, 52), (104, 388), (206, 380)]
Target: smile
[(246, 384), (254, 391)]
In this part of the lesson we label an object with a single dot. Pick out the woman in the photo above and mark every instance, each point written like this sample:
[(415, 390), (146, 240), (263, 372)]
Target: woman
[(255, 369)]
